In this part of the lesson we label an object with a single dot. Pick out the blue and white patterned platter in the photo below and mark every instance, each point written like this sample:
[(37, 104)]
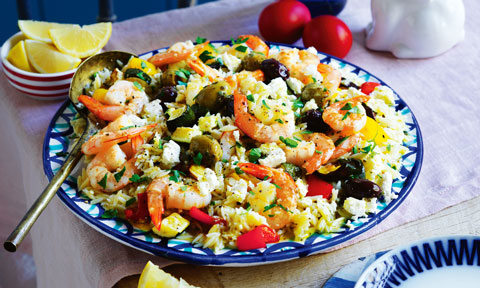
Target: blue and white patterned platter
[(57, 142), (441, 262)]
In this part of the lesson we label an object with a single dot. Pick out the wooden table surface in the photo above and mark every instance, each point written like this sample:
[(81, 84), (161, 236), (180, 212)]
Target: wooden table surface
[(314, 271)]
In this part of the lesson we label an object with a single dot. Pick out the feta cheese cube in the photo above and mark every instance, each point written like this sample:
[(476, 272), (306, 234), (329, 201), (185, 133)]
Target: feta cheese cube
[(171, 153)]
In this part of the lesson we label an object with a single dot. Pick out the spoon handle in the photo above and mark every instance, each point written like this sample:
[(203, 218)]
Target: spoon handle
[(16, 237)]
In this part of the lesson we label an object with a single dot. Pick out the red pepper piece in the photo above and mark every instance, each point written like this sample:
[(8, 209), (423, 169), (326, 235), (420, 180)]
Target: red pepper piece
[(317, 186), (269, 235), (257, 238), (368, 87), (203, 217), (251, 240), (141, 211)]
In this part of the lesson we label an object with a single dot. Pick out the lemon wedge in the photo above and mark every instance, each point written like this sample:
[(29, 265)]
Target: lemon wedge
[(45, 58), (154, 277), (81, 41), (38, 30), (18, 57)]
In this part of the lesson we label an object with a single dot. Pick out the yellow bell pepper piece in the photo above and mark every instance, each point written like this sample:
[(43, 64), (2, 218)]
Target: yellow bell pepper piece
[(197, 171), (185, 134), (143, 65), (99, 94), (373, 131), (172, 225)]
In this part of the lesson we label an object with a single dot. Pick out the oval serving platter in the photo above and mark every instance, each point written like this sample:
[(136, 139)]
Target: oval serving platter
[(441, 262), (56, 145)]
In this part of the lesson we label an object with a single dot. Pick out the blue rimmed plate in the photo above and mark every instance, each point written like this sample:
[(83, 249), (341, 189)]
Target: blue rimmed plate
[(441, 262), (57, 141)]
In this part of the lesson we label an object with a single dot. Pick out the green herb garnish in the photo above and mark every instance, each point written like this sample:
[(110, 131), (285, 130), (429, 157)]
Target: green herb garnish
[(184, 188), (254, 155), (200, 40), (340, 140), (138, 85), (119, 174), (175, 177), (250, 98), (103, 182), (289, 142), (130, 201), (306, 132), (137, 179), (318, 152), (279, 121), (238, 170), (265, 104), (110, 213), (238, 41), (197, 159), (143, 65), (241, 48), (205, 56), (268, 207), (298, 104), (127, 127)]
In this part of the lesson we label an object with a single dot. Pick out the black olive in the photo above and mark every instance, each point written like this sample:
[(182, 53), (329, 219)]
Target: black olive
[(314, 121), (273, 69), (216, 65), (229, 110), (350, 84), (369, 111), (349, 168), (361, 188), (167, 94)]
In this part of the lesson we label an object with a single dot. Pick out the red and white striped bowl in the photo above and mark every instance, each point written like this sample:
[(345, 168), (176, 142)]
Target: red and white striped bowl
[(47, 86)]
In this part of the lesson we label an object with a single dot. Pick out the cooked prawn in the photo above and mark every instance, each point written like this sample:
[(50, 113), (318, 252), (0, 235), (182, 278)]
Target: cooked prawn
[(298, 63), (346, 145), (331, 77), (106, 139), (121, 98), (256, 44), (227, 143), (177, 196), (347, 116), (257, 130), (177, 52), (286, 192), (234, 80), (316, 152), (101, 170), (203, 70)]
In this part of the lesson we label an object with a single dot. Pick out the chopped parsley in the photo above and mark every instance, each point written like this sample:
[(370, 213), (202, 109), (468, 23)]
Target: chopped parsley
[(254, 155), (143, 65), (265, 104), (367, 149), (239, 40), (306, 132), (183, 73), (110, 213), (289, 142), (241, 48), (238, 170), (93, 76), (238, 144), (318, 152), (298, 104), (175, 177), (119, 174), (137, 179), (130, 201), (249, 207), (279, 121), (197, 159), (200, 40), (138, 85), (205, 56), (250, 98), (103, 182), (251, 192), (389, 147), (340, 140), (355, 149), (350, 110), (127, 127), (184, 188), (268, 207), (276, 186)]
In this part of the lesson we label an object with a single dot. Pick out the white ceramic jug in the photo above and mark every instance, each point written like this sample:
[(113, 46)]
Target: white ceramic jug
[(415, 28)]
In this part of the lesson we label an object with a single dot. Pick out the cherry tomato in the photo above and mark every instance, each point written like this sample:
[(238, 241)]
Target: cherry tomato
[(328, 34), (368, 87), (283, 21)]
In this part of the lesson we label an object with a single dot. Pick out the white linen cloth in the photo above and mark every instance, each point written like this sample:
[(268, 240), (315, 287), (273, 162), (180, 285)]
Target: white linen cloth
[(442, 92)]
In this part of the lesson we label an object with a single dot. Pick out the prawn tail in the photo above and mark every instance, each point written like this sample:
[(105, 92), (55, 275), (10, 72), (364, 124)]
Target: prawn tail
[(202, 69), (101, 111), (256, 170), (130, 133), (155, 209)]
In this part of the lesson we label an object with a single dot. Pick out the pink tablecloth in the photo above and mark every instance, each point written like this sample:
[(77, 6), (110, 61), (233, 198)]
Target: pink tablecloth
[(441, 91)]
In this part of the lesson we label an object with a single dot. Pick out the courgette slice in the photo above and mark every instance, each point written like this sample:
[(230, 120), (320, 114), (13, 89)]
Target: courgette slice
[(187, 119)]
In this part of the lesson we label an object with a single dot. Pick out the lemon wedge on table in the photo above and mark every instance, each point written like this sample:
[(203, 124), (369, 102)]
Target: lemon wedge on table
[(154, 277), (18, 57), (38, 30), (83, 41), (45, 58)]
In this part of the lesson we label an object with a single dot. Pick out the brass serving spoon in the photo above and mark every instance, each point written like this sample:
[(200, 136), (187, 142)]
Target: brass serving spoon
[(81, 78)]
